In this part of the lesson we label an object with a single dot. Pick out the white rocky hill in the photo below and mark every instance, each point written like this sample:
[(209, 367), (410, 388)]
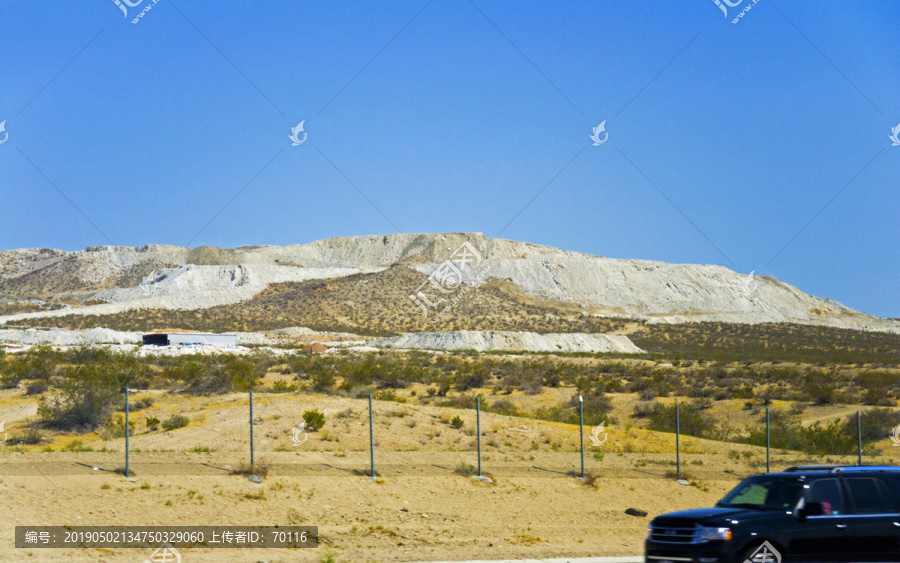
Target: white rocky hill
[(173, 277)]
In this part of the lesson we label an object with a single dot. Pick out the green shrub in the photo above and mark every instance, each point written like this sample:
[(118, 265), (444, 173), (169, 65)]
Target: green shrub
[(456, 422), (388, 395), (115, 427), (140, 404), (819, 387), (217, 374), (322, 380), (471, 376), (504, 407), (37, 387), (175, 421), (835, 438), (876, 424), (77, 407), (14, 371), (465, 469), (282, 386), (30, 437), (314, 420), (694, 422), (152, 422)]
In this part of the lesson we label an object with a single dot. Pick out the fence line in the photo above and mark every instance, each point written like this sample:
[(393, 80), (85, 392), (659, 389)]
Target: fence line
[(503, 468)]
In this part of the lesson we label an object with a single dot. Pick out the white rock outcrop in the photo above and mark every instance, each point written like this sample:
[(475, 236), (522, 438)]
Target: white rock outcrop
[(70, 337), (487, 340)]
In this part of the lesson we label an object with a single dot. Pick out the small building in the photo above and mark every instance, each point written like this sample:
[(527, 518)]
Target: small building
[(190, 339), (314, 348)]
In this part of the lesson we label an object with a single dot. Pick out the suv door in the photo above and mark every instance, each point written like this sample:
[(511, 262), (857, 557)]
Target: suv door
[(892, 480), (872, 525), (825, 536)]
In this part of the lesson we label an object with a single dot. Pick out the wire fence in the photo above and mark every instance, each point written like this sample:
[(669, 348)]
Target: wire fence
[(156, 432)]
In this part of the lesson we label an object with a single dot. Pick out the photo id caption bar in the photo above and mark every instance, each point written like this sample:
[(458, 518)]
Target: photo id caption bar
[(175, 536)]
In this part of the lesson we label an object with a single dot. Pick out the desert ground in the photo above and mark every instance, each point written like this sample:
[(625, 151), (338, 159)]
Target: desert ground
[(422, 506)]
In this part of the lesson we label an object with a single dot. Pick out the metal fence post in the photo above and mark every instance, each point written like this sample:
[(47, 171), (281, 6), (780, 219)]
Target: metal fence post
[(859, 435), (478, 429), (581, 425), (677, 441), (251, 431), (768, 441), (127, 450), (371, 437)]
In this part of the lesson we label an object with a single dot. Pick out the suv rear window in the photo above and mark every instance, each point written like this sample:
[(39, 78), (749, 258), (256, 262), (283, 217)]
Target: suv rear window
[(893, 485), (828, 493), (868, 496)]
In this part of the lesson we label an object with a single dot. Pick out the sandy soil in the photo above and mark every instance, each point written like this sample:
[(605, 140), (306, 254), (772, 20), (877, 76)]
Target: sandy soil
[(421, 509), (401, 518)]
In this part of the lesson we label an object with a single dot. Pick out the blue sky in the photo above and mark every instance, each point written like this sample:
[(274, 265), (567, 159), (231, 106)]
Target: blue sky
[(761, 145)]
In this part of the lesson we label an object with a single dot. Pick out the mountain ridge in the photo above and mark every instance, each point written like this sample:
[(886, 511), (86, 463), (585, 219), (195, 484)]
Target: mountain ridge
[(115, 279)]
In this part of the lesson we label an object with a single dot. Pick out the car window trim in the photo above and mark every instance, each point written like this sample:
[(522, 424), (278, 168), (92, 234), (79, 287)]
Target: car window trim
[(892, 515), (852, 508)]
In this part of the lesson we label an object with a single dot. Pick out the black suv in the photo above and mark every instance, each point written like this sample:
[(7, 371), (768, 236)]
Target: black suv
[(813, 513)]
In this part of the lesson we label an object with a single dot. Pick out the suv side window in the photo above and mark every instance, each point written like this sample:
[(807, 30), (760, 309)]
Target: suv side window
[(828, 493), (892, 482), (868, 497)]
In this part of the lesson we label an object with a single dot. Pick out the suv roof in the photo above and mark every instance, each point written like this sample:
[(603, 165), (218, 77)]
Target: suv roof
[(843, 469)]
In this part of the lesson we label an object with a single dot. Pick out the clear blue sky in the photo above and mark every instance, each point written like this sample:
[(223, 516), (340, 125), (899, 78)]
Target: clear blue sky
[(725, 140)]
